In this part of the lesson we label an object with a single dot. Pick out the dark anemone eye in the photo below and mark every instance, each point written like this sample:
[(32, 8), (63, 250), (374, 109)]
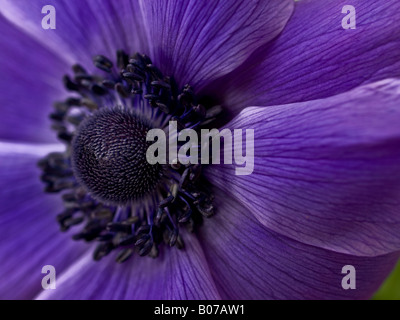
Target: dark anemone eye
[(125, 203), (109, 156)]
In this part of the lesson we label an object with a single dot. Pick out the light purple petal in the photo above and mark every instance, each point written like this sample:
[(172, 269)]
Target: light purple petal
[(198, 40), (248, 261), (83, 28), (29, 233), (314, 57), (103, 280), (31, 80), (189, 273), (326, 172), (175, 274)]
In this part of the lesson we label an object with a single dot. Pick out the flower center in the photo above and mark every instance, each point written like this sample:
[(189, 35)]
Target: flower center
[(103, 176), (109, 157)]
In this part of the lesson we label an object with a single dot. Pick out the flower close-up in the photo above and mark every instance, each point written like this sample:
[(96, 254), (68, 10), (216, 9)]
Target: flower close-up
[(313, 191)]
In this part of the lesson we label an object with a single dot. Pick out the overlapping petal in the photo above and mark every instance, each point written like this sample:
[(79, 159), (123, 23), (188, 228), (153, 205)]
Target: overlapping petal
[(326, 172), (197, 40), (176, 274), (248, 261), (314, 57), (83, 28), (325, 191), (31, 80), (29, 233)]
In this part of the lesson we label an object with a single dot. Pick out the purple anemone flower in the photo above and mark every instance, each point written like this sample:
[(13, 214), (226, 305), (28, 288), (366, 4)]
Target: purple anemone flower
[(77, 100)]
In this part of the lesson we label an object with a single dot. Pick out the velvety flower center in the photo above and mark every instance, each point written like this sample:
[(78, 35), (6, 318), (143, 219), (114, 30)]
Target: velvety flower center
[(105, 181), (109, 157)]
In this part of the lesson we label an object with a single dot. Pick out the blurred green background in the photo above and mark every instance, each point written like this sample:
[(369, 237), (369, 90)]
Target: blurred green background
[(390, 289)]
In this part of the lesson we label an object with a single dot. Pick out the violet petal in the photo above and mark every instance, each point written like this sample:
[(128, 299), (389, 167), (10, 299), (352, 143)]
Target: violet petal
[(197, 40), (314, 57), (249, 261), (326, 172), (29, 232)]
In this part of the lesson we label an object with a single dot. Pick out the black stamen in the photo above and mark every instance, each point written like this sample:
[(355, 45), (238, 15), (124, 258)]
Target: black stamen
[(103, 174)]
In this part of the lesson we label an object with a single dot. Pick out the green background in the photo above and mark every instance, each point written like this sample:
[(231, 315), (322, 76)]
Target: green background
[(390, 289)]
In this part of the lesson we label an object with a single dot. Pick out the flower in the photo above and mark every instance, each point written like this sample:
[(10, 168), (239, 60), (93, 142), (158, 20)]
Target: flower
[(324, 106)]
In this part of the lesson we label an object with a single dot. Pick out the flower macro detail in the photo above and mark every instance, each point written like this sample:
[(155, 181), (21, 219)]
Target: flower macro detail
[(108, 157), (104, 176), (77, 103)]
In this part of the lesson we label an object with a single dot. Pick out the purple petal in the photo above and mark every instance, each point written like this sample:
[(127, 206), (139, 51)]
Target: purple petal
[(29, 234), (190, 274), (83, 28), (326, 172), (175, 274), (197, 40), (249, 261), (315, 57), (31, 80)]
